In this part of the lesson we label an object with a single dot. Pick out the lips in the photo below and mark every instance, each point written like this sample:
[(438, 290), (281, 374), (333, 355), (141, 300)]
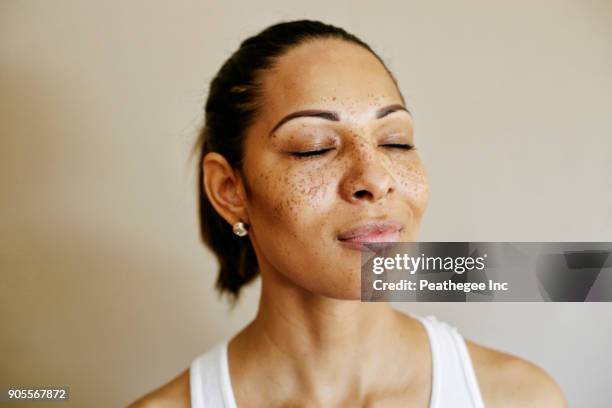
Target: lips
[(371, 232)]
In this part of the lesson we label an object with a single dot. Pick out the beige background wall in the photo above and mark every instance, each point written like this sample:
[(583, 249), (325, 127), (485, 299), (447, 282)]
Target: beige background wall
[(104, 285)]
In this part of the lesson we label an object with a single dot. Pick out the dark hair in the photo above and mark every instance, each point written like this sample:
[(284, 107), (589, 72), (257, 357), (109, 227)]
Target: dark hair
[(233, 101)]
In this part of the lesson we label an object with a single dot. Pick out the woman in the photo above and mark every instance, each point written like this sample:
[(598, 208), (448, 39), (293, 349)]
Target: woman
[(308, 151)]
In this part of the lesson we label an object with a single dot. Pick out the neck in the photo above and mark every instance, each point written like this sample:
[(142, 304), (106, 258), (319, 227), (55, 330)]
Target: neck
[(297, 322), (316, 343)]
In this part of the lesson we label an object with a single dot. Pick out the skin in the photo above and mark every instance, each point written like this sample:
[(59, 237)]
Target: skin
[(312, 342)]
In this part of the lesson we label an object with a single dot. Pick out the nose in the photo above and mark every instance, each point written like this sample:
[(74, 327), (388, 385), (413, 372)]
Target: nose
[(367, 177)]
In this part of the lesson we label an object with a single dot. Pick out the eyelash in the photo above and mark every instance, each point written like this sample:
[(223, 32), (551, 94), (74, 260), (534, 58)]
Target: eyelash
[(323, 151)]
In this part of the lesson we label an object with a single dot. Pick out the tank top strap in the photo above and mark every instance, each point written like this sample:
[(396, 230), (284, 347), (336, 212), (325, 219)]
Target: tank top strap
[(209, 379), (454, 382)]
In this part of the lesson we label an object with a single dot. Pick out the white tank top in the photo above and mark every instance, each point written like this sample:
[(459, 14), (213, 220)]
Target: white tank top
[(454, 383)]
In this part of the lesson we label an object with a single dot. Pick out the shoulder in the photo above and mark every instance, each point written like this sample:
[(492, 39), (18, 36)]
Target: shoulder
[(510, 381), (174, 394)]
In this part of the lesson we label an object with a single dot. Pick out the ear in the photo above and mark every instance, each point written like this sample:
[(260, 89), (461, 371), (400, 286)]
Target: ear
[(224, 188)]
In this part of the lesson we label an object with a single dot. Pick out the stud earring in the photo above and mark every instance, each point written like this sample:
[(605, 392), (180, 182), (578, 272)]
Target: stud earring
[(240, 229)]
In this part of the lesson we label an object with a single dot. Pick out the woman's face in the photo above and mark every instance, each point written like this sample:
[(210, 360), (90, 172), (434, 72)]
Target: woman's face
[(303, 209)]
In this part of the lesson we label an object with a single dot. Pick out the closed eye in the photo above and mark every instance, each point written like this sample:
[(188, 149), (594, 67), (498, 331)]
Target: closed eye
[(311, 153), (400, 146)]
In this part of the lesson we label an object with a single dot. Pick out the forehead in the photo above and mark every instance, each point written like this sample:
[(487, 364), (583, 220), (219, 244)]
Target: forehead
[(327, 73)]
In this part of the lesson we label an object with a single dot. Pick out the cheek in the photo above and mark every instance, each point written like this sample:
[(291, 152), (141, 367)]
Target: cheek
[(294, 198), (413, 184), (293, 210)]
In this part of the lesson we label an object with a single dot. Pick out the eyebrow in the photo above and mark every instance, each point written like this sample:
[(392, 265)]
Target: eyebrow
[(334, 116)]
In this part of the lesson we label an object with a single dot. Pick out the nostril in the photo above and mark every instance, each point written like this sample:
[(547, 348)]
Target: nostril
[(360, 193)]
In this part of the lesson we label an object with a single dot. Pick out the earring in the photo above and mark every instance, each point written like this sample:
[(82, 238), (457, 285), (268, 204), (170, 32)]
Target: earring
[(240, 229)]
